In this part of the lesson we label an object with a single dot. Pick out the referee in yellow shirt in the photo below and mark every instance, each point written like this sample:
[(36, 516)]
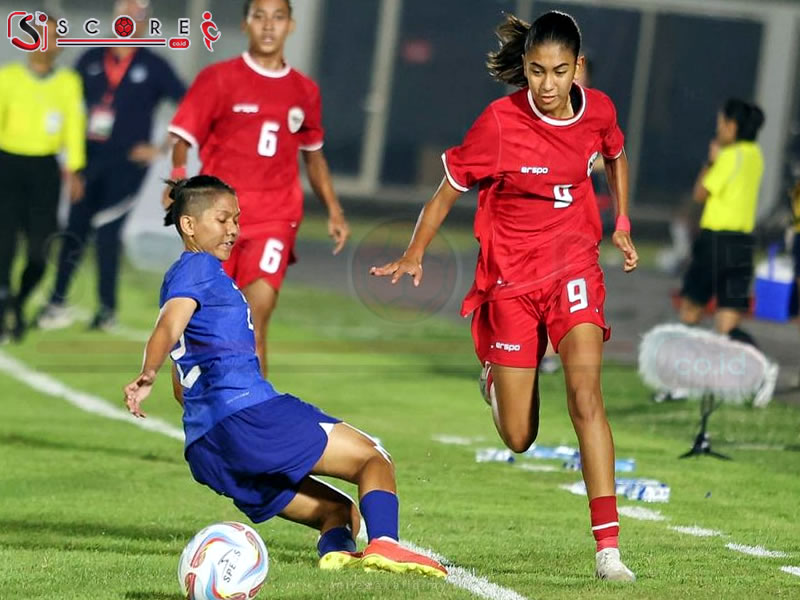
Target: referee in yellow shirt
[(722, 256), (41, 115)]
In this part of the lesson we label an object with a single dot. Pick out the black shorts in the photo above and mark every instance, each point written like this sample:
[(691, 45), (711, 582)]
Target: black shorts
[(796, 254), (721, 267)]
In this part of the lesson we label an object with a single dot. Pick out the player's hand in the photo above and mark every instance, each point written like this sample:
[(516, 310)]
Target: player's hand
[(398, 268), (77, 187), (143, 153), (136, 391), (713, 150), (623, 241), (338, 230)]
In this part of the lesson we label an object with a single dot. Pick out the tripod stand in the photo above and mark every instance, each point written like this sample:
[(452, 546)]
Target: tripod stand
[(702, 443)]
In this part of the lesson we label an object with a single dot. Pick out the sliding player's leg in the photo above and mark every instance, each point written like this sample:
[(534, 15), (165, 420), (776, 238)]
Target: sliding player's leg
[(356, 457)]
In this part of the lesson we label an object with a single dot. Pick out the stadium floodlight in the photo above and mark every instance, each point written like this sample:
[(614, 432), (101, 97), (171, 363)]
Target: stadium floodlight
[(703, 364)]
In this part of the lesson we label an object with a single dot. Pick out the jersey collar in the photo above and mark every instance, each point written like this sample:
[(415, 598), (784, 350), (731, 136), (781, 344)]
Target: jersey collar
[(559, 122), (248, 60)]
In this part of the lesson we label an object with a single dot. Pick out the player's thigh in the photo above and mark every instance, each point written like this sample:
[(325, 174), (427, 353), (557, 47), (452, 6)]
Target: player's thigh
[(509, 332), (317, 503), (347, 451), (574, 300), (517, 407), (261, 298), (581, 352)]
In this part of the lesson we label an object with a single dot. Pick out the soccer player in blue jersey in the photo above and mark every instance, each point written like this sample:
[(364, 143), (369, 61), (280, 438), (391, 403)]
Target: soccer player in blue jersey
[(244, 439)]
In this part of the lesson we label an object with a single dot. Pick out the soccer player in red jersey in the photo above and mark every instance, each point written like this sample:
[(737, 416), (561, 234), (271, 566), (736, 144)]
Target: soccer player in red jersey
[(531, 155), (249, 116)]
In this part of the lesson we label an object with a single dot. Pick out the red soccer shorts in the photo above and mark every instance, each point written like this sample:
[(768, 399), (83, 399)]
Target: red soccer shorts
[(513, 331), (266, 256)]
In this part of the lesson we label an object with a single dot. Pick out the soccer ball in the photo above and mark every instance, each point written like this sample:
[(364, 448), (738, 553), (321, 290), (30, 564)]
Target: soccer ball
[(123, 26), (223, 561)]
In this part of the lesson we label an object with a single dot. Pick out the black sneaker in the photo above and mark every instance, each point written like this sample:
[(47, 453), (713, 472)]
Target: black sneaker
[(104, 320)]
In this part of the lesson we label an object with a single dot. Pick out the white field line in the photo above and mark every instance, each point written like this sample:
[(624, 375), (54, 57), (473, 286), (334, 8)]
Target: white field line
[(696, 531), (457, 576), (759, 551), (86, 402), (641, 514), (791, 570), (466, 579)]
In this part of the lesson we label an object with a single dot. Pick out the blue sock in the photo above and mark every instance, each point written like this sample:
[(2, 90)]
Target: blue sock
[(336, 539), (379, 509)]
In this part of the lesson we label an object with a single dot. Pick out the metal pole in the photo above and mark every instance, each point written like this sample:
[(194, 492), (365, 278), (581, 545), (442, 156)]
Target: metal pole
[(380, 93)]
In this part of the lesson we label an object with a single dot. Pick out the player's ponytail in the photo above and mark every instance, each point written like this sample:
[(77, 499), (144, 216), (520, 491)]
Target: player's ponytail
[(192, 195), (749, 118), (517, 38)]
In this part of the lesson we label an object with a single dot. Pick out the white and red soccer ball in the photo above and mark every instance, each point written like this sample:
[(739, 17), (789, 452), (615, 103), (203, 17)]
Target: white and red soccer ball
[(224, 561)]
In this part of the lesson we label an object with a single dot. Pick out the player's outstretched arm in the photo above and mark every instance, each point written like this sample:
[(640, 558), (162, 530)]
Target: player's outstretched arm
[(430, 220), (319, 175), (617, 175), (180, 155), (171, 323)]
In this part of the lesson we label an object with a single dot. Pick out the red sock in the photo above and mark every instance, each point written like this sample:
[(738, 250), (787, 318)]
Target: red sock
[(605, 522)]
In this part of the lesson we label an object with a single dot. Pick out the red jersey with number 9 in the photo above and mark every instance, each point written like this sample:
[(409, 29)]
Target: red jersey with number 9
[(537, 216), (249, 123)]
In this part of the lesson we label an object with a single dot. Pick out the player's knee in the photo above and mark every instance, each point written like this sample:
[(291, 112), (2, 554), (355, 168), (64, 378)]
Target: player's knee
[(337, 514), (585, 406), (519, 440)]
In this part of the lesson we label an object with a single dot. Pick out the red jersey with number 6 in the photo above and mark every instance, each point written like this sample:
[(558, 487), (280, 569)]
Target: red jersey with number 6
[(537, 216), (249, 123)]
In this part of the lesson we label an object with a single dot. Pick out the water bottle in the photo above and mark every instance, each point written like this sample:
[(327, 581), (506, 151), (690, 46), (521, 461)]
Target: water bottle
[(494, 455)]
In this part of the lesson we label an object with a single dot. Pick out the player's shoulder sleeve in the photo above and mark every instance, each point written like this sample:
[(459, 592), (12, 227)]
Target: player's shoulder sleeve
[(193, 276), (312, 134), (722, 170), (612, 138), (199, 108), (478, 155)]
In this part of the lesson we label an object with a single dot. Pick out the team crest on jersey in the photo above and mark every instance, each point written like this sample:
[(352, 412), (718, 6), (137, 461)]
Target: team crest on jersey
[(590, 166), (296, 118), (138, 74)]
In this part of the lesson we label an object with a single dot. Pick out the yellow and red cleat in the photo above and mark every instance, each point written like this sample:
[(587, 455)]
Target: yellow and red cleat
[(384, 555), (340, 559)]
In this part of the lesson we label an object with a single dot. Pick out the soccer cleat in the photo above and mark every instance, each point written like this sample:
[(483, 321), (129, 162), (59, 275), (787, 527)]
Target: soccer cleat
[(55, 316), (104, 320), (610, 566), (384, 555), (339, 559), (486, 382)]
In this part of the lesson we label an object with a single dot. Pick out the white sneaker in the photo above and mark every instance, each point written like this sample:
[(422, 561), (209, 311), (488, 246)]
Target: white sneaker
[(55, 316), (767, 389), (610, 566)]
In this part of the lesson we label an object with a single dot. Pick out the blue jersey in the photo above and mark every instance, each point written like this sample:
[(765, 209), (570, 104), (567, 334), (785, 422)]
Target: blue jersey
[(215, 357)]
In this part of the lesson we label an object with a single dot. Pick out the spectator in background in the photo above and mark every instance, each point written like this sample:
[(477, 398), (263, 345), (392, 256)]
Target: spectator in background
[(722, 255), (41, 115), (123, 88)]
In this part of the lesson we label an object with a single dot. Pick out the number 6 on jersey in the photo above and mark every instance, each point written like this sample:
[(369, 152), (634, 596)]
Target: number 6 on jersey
[(268, 139)]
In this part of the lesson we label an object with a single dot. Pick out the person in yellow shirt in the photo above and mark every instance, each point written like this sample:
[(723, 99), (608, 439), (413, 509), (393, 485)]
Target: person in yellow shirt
[(41, 116), (722, 256)]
